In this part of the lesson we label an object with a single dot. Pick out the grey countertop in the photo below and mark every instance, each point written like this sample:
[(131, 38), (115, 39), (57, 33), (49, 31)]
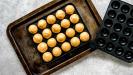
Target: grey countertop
[(97, 63)]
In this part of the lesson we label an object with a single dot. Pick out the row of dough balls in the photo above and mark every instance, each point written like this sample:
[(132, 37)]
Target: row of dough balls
[(56, 28), (57, 51), (61, 37)]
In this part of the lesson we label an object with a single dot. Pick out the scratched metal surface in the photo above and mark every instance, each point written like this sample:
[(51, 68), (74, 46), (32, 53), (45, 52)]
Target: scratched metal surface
[(97, 63)]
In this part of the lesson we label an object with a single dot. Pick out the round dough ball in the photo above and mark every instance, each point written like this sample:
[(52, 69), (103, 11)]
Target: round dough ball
[(51, 19), (33, 29), (56, 28), (51, 42), (56, 51), (69, 9), (66, 46), (74, 18), (79, 27), (84, 36), (46, 33), (61, 37), (75, 41), (42, 47), (47, 56), (42, 24), (70, 32), (37, 38), (60, 14), (65, 23)]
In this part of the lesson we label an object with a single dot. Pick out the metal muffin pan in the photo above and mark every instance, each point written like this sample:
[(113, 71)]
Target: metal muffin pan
[(116, 34)]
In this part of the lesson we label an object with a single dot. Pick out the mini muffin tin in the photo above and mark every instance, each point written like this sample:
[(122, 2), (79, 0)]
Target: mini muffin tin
[(26, 50), (116, 34)]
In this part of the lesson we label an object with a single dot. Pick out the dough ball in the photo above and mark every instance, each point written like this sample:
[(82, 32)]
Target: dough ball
[(69, 9), (56, 51), (60, 14), (66, 46), (51, 19), (51, 42), (42, 47), (56, 28), (47, 56), (37, 38), (84, 36), (33, 29), (70, 32), (74, 18), (61, 37), (75, 41), (46, 33), (65, 23), (79, 27), (42, 24)]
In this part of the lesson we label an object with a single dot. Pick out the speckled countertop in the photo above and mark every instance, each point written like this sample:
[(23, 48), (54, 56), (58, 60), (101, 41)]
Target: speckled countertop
[(97, 63)]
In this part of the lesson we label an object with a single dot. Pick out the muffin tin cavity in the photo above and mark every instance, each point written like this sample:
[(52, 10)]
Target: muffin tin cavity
[(130, 45), (112, 14), (130, 22), (108, 23), (109, 47), (121, 18), (105, 32), (115, 4), (100, 42), (119, 51), (123, 41), (116, 34), (125, 9), (117, 27), (128, 55), (127, 31), (114, 37)]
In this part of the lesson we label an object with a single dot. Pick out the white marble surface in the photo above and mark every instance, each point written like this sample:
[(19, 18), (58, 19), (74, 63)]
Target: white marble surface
[(97, 63)]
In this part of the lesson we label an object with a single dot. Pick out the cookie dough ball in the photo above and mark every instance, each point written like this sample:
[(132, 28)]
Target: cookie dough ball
[(61, 37), (65, 23), (74, 18), (46, 33), (47, 56), (42, 47), (37, 38), (66, 46), (75, 41), (69, 9), (56, 28), (79, 27), (70, 32), (60, 14), (84, 36), (51, 19), (51, 42), (56, 51), (42, 24), (33, 29)]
